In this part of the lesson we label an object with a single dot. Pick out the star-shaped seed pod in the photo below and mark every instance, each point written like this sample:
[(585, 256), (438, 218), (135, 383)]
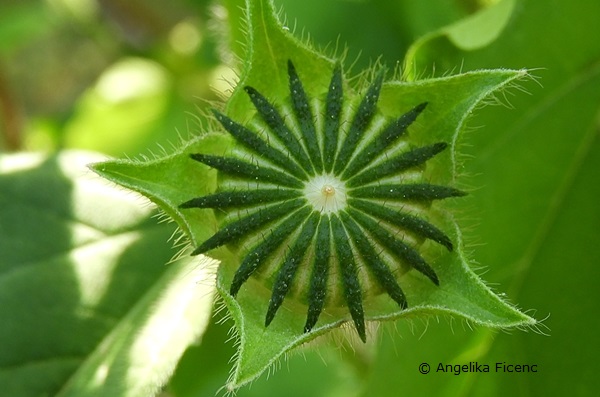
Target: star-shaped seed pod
[(324, 200)]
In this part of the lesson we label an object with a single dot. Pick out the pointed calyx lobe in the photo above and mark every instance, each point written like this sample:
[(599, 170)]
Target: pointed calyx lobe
[(325, 210)]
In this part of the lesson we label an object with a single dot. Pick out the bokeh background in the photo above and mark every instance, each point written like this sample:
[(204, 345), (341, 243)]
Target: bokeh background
[(130, 77)]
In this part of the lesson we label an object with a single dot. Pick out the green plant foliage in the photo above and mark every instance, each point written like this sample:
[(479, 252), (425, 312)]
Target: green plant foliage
[(88, 307), (471, 33), (175, 179), (538, 172), (91, 300)]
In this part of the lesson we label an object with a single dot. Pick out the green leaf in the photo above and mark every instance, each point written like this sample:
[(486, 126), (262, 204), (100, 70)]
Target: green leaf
[(88, 305), (151, 338), (269, 48), (115, 118), (176, 179), (468, 34), (171, 181)]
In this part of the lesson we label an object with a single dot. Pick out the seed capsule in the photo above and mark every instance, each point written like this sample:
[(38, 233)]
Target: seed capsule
[(324, 212)]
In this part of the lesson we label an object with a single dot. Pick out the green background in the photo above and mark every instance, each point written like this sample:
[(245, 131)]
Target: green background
[(129, 78)]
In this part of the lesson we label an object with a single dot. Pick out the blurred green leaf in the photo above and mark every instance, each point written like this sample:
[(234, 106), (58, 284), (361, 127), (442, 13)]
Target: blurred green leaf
[(387, 28), (123, 109), (151, 338), (471, 33), (204, 368), (134, 105), (88, 305)]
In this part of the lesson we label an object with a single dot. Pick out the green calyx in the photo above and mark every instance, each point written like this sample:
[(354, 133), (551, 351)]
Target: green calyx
[(326, 202), (327, 206)]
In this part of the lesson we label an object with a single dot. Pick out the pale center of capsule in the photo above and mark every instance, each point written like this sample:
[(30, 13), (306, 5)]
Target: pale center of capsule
[(326, 193)]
